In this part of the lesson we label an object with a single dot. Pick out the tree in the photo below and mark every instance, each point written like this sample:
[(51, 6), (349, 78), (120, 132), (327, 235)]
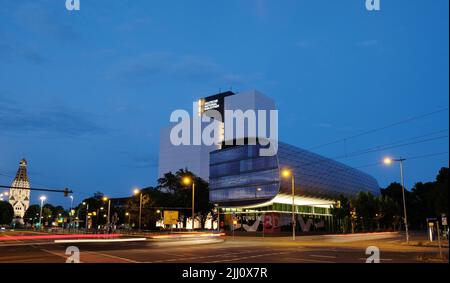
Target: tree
[(425, 200), (367, 210), (341, 212), (389, 213), (148, 217), (394, 192), (421, 205), (60, 211), (32, 213), (441, 192), (46, 215), (173, 193), (6, 212), (95, 203)]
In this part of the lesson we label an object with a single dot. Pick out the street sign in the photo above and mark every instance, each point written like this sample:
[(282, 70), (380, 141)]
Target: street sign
[(170, 217)]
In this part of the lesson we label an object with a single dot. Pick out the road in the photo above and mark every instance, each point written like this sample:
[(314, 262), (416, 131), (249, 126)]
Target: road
[(306, 249)]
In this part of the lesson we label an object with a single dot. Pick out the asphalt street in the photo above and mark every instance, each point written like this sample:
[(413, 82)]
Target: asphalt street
[(306, 249)]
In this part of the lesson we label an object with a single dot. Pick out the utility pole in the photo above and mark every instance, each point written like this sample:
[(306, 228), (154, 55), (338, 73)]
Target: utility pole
[(404, 201), (389, 161)]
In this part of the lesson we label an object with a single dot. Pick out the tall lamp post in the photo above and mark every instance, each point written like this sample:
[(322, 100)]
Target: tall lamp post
[(218, 216), (42, 198), (70, 212), (287, 173), (87, 216), (187, 181), (109, 211), (388, 161), (136, 192), (98, 213), (129, 219)]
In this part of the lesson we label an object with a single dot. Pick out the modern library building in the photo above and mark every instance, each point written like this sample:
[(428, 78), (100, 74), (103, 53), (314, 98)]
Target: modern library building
[(259, 193)]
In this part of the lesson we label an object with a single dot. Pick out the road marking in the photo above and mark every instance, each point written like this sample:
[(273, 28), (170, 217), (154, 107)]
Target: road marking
[(99, 240), (54, 253), (90, 252), (250, 257), (324, 256), (111, 256), (381, 259), (314, 260), (229, 254)]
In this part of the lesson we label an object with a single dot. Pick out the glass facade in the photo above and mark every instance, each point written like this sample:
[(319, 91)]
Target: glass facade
[(238, 175)]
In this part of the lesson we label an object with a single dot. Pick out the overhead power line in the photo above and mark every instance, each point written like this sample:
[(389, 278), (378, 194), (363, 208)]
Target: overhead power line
[(378, 148), (404, 140), (407, 158), (381, 162), (381, 128)]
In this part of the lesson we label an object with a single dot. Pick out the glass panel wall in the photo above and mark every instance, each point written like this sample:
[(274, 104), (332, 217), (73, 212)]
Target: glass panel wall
[(239, 173)]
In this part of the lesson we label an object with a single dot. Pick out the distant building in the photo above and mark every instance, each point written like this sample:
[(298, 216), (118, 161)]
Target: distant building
[(20, 198)]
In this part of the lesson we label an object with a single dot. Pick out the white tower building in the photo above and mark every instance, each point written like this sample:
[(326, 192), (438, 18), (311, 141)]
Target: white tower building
[(196, 157), (20, 198)]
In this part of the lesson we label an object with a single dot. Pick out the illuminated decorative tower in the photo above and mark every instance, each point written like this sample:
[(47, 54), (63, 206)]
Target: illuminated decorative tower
[(20, 198)]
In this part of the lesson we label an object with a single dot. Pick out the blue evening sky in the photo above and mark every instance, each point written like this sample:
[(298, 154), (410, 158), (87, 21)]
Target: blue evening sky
[(83, 94)]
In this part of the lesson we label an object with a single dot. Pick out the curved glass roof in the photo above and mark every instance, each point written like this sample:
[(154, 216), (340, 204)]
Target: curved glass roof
[(238, 175)]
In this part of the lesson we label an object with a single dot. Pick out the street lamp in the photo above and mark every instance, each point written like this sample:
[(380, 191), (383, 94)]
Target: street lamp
[(129, 218), (109, 210), (389, 161), (287, 173), (136, 192), (218, 216), (187, 181), (87, 216), (98, 215), (42, 198), (70, 212)]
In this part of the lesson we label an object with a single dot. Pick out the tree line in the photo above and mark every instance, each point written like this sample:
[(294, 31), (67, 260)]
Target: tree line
[(169, 194), (360, 213), (365, 212)]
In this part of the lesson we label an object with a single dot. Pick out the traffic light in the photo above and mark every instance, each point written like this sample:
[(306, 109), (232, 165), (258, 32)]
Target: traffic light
[(66, 192)]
